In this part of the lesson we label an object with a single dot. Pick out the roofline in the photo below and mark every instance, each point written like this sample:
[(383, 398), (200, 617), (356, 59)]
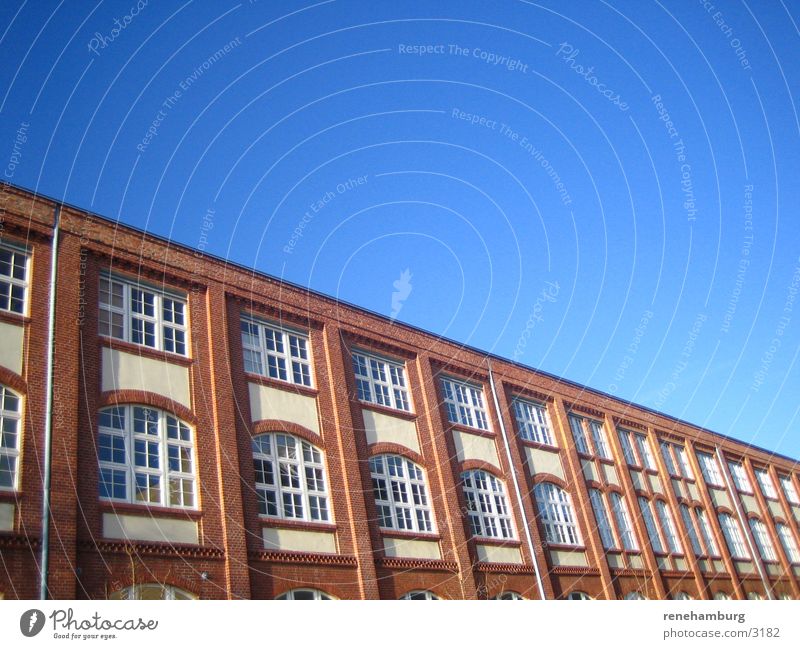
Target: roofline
[(380, 316)]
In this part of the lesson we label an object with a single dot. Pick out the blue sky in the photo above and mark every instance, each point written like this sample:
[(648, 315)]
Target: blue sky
[(607, 191)]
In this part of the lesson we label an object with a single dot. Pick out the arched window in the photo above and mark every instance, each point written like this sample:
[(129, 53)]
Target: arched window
[(754, 595), (419, 594), (10, 412), (555, 510), (146, 456), (721, 595), (579, 595), (486, 505), (635, 595), (299, 594), (788, 542), (733, 536), (400, 494), (152, 591), (509, 594), (681, 595), (763, 540), (290, 478)]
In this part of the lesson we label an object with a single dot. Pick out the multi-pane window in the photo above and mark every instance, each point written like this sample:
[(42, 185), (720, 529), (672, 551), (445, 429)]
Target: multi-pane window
[(668, 527), (740, 478), (9, 438), (766, 484), (646, 458), (763, 540), (380, 381), (733, 536), (281, 354), (555, 512), (624, 526), (143, 315), (532, 421), (290, 478), (694, 539), (509, 594), (788, 488), (487, 508), (400, 494), (704, 526), (152, 592), (146, 456), (788, 542), (299, 594), (650, 525), (627, 446), (583, 430), (425, 595), (601, 516), (13, 280), (675, 459), (464, 403), (710, 470)]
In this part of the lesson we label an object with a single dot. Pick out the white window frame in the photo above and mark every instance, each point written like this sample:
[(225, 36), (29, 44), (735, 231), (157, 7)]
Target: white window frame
[(691, 529), (380, 381), (646, 459), (650, 524), (585, 429), (739, 475), (487, 506), (153, 443), (766, 484), (168, 592), (169, 334), (788, 542), (316, 594), (464, 403), (604, 526), (10, 283), (706, 533), (676, 460), (787, 484), (509, 595), (734, 536), (669, 461), (299, 482), (668, 528), (627, 447), (635, 595), (763, 540), (710, 469), (619, 509), (557, 514), (291, 356), (533, 421), (10, 435), (420, 595), (578, 595), (401, 494)]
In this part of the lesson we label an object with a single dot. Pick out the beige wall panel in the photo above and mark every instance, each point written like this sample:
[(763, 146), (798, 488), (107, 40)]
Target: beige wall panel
[(149, 528), (6, 517), (567, 558), (124, 371), (475, 447), (411, 548), (541, 461), (299, 540), (380, 427), (11, 350), (272, 403), (497, 554)]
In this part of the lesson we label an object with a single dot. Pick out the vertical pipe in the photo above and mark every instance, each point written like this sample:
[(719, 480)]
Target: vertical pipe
[(515, 481), (48, 421)]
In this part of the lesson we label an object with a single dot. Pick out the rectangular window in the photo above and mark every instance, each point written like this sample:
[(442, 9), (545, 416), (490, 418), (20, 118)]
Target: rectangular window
[(733, 537), (380, 381), (694, 539), (603, 522), (788, 543), (576, 424), (627, 448), (740, 478), (624, 526), (788, 488), (464, 403), (766, 484), (142, 315), (710, 470), (668, 527), (650, 525), (683, 462), (667, 455), (763, 540), (645, 455), (13, 280), (532, 421), (277, 353), (706, 533), (584, 429)]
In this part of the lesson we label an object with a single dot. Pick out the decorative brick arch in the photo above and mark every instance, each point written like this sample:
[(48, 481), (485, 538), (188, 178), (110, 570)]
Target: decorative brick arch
[(265, 426), (549, 477), (133, 397), (722, 509), (119, 580), (391, 448), (14, 381), (480, 465)]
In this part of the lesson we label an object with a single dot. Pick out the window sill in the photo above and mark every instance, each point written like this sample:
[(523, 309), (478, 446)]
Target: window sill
[(607, 461), (10, 495), (14, 318), (539, 445), (386, 410), (412, 536), (311, 526), (268, 381), (480, 432), (505, 543), (142, 350), (151, 510), (564, 546)]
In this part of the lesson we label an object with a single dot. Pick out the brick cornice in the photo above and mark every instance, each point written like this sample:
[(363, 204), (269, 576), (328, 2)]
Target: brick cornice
[(402, 563), (286, 556), (153, 549)]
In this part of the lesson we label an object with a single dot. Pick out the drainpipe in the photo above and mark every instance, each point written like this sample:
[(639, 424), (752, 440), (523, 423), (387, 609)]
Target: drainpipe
[(515, 481), (48, 421), (743, 524)]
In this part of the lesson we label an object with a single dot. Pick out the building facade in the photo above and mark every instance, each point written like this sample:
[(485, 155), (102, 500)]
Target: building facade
[(211, 432)]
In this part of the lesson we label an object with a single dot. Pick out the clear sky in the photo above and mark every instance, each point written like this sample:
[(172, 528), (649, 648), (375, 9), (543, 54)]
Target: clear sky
[(607, 191)]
